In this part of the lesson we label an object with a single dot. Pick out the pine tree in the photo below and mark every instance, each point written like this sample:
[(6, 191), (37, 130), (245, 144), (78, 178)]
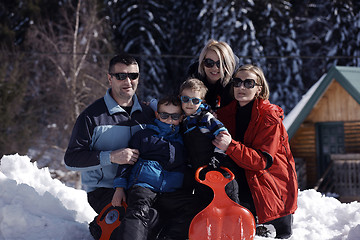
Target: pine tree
[(140, 30), (242, 34), (341, 38), (182, 36), (328, 35), (276, 33)]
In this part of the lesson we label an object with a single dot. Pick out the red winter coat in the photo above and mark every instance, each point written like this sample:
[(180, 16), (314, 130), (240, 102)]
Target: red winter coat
[(274, 189)]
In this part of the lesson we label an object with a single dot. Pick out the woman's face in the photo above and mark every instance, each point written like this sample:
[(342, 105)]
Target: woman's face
[(212, 73), (245, 95)]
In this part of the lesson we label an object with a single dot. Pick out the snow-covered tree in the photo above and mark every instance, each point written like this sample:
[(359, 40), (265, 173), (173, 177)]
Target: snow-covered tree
[(328, 34), (140, 29), (275, 32)]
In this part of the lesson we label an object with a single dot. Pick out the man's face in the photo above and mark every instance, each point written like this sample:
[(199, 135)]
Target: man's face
[(123, 90)]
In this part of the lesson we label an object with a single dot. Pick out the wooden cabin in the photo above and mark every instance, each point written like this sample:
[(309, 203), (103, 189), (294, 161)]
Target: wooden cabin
[(324, 130)]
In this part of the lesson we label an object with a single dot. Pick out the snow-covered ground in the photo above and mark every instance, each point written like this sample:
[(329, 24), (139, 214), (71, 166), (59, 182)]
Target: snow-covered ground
[(33, 206)]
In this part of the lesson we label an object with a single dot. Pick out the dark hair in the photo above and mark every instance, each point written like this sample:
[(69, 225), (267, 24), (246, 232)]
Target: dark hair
[(123, 58), (167, 100)]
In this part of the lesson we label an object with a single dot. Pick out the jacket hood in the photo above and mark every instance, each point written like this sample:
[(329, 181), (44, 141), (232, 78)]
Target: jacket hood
[(265, 105), (268, 107)]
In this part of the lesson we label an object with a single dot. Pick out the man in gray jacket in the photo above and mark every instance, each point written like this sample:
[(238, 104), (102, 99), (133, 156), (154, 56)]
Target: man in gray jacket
[(99, 141)]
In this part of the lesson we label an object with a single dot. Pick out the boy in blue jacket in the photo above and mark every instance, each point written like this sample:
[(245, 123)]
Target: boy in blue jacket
[(159, 169)]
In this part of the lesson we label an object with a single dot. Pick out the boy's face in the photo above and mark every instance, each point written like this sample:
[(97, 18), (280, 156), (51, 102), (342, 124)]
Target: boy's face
[(169, 114), (189, 107)]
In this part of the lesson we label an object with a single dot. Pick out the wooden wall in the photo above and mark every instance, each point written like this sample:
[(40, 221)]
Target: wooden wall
[(352, 137), (303, 145), (336, 105)]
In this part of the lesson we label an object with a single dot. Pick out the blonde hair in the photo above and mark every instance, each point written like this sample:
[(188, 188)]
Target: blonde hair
[(195, 85), (265, 92), (226, 57)]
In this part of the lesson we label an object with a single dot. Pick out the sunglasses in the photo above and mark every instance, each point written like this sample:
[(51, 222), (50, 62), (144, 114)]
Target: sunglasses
[(123, 76), (194, 100), (165, 115), (248, 83), (209, 63)]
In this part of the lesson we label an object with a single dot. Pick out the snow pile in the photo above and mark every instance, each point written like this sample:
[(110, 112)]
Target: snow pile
[(33, 206)]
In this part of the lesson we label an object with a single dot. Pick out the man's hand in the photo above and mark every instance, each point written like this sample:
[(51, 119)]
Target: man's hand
[(222, 140), (119, 197), (124, 156)]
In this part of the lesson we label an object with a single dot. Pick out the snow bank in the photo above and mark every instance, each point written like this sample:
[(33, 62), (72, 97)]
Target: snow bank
[(33, 206)]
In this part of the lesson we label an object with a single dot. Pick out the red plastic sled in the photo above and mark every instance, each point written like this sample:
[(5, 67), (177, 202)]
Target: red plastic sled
[(108, 220), (222, 218)]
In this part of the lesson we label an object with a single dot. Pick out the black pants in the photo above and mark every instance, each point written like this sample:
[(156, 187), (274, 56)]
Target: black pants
[(175, 209), (99, 198), (134, 225), (283, 226)]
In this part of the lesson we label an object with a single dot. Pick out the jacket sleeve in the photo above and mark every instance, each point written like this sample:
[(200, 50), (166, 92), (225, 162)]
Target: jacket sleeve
[(214, 125), (124, 171), (79, 156), (264, 146)]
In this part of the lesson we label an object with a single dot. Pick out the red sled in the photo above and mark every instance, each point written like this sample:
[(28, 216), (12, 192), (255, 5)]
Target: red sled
[(222, 218), (108, 220)]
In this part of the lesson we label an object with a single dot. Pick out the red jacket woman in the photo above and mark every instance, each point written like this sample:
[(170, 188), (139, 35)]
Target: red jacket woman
[(260, 146)]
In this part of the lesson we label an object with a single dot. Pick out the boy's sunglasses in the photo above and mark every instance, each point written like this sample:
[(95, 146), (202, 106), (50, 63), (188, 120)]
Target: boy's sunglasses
[(165, 115), (194, 100), (248, 83), (123, 76), (209, 63)]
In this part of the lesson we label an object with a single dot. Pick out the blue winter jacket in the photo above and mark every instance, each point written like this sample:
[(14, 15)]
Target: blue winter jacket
[(161, 163), (103, 127)]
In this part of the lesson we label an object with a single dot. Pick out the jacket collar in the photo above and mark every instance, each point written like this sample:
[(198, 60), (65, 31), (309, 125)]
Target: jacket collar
[(203, 107), (113, 107), (167, 131)]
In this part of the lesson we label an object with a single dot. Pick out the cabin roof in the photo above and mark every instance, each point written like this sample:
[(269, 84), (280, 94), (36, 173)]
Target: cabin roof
[(347, 77)]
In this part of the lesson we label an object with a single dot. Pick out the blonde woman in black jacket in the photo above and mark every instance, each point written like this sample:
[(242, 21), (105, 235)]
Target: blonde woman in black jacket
[(214, 68)]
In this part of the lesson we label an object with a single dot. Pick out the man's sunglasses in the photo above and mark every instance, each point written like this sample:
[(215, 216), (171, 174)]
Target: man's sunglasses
[(123, 76), (248, 83), (165, 115), (194, 100), (209, 63)]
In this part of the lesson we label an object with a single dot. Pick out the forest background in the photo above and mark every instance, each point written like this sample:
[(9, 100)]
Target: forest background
[(55, 54)]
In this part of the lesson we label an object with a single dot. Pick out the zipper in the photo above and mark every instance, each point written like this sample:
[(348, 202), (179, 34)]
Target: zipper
[(102, 176)]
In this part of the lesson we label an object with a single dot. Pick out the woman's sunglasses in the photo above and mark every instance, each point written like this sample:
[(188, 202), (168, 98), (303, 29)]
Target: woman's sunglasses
[(209, 63), (165, 115), (248, 83), (123, 76), (194, 100)]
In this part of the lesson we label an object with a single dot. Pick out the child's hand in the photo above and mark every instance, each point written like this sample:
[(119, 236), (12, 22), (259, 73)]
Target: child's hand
[(119, 197)]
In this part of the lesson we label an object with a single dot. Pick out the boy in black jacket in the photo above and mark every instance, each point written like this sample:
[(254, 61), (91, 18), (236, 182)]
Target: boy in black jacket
[(199, 129)]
